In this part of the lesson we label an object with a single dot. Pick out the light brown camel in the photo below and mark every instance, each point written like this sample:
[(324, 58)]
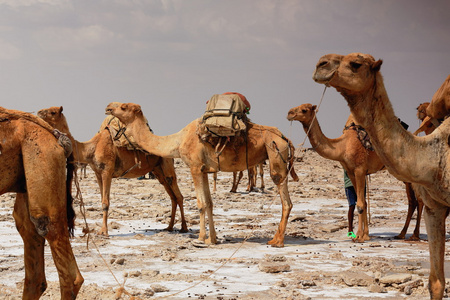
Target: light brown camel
[(346, 149), (252, 174), (33, 165), (439, 107), (237, 176), (423, 161), (355, 159), (108, 162), (263, 143), (427, 125)]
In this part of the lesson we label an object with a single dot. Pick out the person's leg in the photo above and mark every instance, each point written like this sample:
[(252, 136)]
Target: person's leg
[(351, 198)]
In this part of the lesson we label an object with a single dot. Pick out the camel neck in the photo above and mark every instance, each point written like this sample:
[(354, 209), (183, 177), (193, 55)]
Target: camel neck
[(325, 147), (164, 146), (397, 148)]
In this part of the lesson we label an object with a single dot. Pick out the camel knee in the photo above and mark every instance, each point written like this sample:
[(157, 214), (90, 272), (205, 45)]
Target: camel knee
[(41, 224), (277, 178), (105, 207)]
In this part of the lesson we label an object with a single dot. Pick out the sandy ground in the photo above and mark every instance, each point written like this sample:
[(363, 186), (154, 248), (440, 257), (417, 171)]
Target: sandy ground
[(318, 261)]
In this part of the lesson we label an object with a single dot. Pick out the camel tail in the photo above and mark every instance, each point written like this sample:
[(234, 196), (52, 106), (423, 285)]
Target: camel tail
[(291, 161), (69, 204)]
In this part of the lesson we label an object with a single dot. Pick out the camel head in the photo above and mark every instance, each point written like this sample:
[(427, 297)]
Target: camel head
[(422, 110), (303, 113), (353, 73), (52, 115), (125, 112)]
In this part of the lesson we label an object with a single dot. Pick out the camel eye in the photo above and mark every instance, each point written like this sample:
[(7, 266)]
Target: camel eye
[(321, 64), (355, 65), (304, 111)]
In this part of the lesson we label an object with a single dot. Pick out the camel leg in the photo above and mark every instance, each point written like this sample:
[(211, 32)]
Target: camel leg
[(412, 205), (215, 182), (362, 234), (261, 174), (435, 223), (278, 239), (205, 205), (236, 180), (104, 182), (251, 172), (35, 282), (165, 173), (279, 173)]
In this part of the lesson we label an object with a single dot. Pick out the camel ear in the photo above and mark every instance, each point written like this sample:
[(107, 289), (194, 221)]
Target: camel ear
[(314, 107), (60, 109), (377, 65), (124, 106)]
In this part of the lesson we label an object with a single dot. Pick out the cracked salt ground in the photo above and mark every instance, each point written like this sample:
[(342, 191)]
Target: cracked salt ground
[(317, 262)]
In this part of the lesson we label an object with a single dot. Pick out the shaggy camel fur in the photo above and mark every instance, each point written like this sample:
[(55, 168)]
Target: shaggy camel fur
[(109, 161), (349, 151), (423, 161), (427, 125), (43, 208), (263, 143)]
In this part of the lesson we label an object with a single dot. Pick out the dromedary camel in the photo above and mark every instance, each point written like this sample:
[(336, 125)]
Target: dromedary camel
[(263, 143), (108, 162), (423, 161), (356, 159), (349, 151), (43, 208), (237, 176), (427, 125), (439, 107)]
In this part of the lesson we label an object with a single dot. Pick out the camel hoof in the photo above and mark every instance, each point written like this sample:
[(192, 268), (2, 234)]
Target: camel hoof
[(184, 230), (103, 232), (276, 243), (399, 237), (414, 238), (211, 241)]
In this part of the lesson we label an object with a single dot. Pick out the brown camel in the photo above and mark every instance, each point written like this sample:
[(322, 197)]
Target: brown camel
[(43, 208), (263, 143), (427, 125), (439, 107), (252, 177), (423, 161), (356, 160), (349, 151), (237, 176), (109, 161)]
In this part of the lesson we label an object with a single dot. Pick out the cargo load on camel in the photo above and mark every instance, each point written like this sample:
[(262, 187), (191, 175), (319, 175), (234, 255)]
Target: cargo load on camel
[(225, 114)]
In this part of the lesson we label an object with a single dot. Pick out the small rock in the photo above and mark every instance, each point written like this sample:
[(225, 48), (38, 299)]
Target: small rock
[(376, 288), (357, 278), (273, 267), (134, 274), (395, 279), (157, 288)]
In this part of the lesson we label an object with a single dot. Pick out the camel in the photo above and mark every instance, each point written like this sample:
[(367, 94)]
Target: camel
[(264, 142), (427, 125), (237, 176), (109, 161), (356, 160), (252, 176), (43, 208), (423, 161), (349, 151), (439, 107)]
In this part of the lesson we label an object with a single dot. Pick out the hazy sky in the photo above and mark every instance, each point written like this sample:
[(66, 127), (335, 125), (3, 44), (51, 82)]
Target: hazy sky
[(171, 56)]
